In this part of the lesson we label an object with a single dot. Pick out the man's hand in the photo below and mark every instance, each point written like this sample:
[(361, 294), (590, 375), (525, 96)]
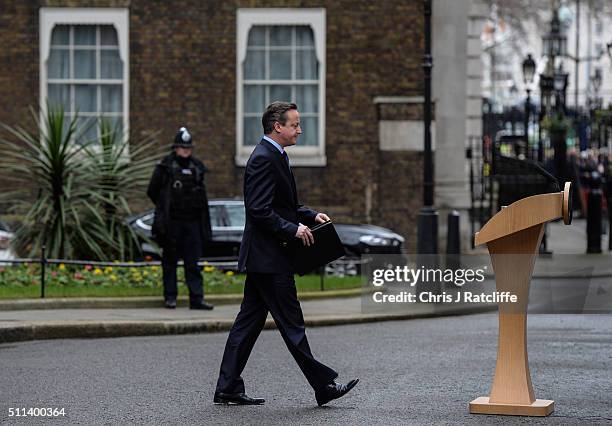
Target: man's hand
[(322, 217), (304, 234)]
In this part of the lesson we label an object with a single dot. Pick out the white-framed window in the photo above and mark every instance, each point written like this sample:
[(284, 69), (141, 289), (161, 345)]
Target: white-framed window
[(281, 57), (84, 65)]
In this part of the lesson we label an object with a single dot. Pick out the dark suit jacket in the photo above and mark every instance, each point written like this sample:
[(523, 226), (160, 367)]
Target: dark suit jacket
[(272, 213)]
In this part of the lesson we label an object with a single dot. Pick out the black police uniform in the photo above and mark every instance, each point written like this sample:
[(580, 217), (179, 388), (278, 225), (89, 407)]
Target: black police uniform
[(182, 221)]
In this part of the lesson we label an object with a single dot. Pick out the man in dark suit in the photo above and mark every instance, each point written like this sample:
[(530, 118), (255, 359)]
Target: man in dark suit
[(273, 227)]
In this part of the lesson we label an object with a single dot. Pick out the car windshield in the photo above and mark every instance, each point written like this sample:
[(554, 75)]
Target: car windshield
[(235, 214)]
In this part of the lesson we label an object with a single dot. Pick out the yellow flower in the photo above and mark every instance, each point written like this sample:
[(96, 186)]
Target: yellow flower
[(113, 277), (145, 273), (97, 271), (229, 273), (209, 268), (108, 269), (61, 267)]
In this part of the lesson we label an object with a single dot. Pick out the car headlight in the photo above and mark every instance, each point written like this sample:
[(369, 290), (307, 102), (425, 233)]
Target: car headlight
[(372, 240)]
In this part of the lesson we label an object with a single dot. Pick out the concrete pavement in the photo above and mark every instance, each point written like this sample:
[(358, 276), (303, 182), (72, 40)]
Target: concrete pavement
[(20, 325)]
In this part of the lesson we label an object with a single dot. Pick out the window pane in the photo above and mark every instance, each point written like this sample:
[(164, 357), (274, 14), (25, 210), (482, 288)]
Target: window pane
[(257, 36), (87, 130), (84, 64), (303, 36), (307, 98), (58, 63), (59, 95), (280, 35), (306, 65), (110, 66), (254, 98), (85, 35), (310, 131), (116, 125), (112, 98), (280, 93), (252, 130), (108, 36), (85, 98), (254, 65), (280, 64), (66, 124), (60, 35)]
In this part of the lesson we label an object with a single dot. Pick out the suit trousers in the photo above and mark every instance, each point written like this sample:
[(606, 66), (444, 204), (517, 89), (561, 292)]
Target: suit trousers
[(184, 242), (275, 293)]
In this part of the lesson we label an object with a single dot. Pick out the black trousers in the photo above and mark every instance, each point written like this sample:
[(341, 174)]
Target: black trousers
[(276, 294), (184, 242)]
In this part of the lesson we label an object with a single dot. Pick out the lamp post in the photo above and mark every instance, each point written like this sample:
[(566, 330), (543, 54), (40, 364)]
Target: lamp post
[(427, 233), (594, 105), (529, 67), (546, 89), (560, 85), (554, 44)]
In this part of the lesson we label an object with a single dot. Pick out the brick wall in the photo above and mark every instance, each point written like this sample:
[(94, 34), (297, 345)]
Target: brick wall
[(182, 72)]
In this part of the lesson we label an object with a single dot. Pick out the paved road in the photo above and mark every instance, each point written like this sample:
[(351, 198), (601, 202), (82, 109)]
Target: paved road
[(413, 372)]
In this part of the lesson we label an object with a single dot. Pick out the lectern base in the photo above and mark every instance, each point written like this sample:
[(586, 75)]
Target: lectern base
[(541, 407)]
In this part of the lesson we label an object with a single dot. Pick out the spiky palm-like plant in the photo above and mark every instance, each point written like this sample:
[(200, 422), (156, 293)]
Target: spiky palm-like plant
[(121, 171), (51, 187)]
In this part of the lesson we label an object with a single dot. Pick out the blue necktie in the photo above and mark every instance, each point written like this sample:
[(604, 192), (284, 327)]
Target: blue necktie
[(286, 157)]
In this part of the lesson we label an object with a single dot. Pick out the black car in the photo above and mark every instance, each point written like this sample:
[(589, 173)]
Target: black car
[(228, 219)]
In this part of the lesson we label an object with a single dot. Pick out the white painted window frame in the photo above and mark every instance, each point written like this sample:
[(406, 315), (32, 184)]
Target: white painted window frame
[(49, 17), (307, 156)]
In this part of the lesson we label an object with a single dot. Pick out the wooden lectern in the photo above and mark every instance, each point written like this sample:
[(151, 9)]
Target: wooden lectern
[(517, 230)]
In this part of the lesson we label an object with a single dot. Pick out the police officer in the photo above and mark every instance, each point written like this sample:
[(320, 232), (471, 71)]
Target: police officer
[(182, 221)]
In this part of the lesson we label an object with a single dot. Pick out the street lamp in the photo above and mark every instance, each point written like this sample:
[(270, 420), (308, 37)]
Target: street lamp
[(529, 67), (560, 85), (546, 89), (427, 228), (555, 43), (596, 81)]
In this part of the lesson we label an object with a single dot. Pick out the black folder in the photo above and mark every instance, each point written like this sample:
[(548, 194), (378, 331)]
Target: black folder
[(327, 247)]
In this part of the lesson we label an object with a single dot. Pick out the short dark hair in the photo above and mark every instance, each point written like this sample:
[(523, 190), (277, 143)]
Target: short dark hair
[(275, 112)]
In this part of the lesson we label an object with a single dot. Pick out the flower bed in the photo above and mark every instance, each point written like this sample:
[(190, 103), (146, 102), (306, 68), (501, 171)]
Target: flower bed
[(88, 275)]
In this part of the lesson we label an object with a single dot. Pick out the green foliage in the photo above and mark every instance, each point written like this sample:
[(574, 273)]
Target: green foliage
[(23, 281), (556, 124), (121, 172), (73, 193), (604, 116), (109, 276)]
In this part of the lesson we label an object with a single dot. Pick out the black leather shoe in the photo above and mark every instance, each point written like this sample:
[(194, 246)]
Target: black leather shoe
[(170, 303), (334, 391), (236, 399), (200, 304)]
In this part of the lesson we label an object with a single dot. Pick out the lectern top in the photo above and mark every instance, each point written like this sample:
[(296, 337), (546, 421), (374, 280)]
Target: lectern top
[(523, 214)]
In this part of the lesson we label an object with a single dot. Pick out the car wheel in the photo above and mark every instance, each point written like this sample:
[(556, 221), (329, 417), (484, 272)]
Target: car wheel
[(343, 268)]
